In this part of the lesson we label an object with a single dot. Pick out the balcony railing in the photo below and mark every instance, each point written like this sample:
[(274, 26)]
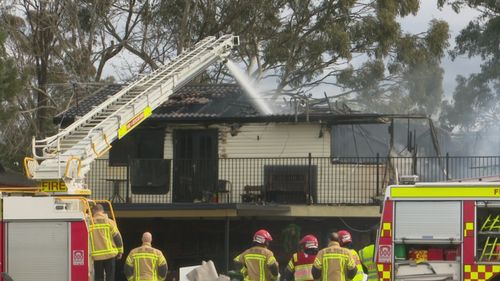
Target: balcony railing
[(299, 180)]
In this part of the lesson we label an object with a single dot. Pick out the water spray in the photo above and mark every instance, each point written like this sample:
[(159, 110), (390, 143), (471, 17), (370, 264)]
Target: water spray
[(247, 85)]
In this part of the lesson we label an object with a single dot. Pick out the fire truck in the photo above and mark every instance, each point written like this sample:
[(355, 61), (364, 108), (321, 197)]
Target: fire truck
[(44, 230), (440, 231), (45, 237)]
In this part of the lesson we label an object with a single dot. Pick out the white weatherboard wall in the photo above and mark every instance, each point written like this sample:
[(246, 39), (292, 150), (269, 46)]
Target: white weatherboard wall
[(277, 140)]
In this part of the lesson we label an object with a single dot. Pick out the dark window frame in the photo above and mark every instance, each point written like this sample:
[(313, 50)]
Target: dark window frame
[(145, 143)]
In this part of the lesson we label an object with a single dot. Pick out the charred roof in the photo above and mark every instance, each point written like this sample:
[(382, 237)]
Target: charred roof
[(220, 103)]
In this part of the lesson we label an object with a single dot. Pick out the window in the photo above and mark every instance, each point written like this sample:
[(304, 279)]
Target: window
[(139, 144), (354, 141)]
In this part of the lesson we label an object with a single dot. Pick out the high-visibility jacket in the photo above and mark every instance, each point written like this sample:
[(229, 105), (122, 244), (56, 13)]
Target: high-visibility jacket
[(145, 263), (366, 256), (256, 262), (359, 274), (105, 239), (301, 264), (334, 262)]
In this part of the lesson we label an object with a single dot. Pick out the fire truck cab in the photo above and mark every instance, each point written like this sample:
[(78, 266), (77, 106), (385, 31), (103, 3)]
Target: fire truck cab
[(440, 231)]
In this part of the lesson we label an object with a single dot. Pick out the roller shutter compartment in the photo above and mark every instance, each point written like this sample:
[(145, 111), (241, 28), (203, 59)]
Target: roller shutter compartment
[(440, 220), (38, 251)]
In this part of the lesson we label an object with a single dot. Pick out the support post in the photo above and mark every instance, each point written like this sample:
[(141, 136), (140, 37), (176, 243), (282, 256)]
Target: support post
[(226, 244), (309, 180), (128, 199), (447, 172), (378, 174)]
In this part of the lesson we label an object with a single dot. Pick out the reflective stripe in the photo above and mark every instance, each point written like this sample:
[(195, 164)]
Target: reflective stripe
[(271, 260), (366, 255), (342, 258), (291, 266), (359, 274), (109, 245), (303, 272), (136, 259), (293, 260), (443, 192), (261, 259)]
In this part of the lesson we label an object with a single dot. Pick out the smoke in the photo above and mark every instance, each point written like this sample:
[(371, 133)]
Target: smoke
[(485, 142)]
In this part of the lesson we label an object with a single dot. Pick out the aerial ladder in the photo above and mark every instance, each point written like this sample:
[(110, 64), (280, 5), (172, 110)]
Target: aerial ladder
[(61, 161)]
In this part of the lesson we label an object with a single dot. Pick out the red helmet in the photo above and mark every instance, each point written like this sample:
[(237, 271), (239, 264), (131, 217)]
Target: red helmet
[(262, 236), (344, 237), (309, 242)]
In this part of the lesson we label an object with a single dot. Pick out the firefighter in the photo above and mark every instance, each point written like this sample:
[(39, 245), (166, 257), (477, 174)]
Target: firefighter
[(366, 255), (300, 265), (346, 242), (334, 263), (106, 244), (145, 262), (258, 262)]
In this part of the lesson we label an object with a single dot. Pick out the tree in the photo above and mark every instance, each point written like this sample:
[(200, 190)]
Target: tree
[(11, 84), (52, 44), (33, 28), (305, 44), (476, 98), (409, 79)]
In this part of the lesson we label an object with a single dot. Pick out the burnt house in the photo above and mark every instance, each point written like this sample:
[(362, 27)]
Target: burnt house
[(206, 170)]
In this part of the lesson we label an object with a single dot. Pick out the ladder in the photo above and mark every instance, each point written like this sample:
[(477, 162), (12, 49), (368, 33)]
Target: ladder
[(490, 249), (66, 157), (491, 224)]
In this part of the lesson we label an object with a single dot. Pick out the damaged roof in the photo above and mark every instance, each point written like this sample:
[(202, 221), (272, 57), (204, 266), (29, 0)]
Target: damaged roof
[(218, 103), (198, 101)]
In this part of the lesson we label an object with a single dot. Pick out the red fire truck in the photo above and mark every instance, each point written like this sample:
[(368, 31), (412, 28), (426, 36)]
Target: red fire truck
[(440, 231), (43, 237)]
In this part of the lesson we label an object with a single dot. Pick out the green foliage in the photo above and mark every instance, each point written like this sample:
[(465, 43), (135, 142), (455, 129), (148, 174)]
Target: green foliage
[(11, 84), (409, 80), (476, 97), (470, 95), (290, 237)]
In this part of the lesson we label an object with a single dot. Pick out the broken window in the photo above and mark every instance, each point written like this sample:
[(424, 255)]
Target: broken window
[(353, 142)]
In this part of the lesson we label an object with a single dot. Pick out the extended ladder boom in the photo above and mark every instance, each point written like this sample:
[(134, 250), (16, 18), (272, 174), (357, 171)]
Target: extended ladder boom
[(68, 154)]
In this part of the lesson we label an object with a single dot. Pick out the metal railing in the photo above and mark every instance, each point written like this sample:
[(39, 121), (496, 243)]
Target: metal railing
[(297, 180)]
